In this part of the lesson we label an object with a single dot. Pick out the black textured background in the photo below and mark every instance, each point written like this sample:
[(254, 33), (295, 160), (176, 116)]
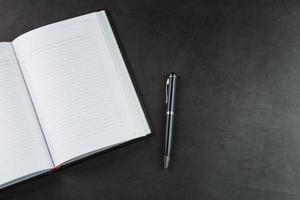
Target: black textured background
[(237, 127)]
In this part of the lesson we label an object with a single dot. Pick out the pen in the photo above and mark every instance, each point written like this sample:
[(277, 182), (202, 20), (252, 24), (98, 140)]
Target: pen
[(170, 102)]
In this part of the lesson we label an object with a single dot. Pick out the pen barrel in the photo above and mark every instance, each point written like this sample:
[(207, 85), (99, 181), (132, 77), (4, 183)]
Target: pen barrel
[(170, 114), (169, 134)]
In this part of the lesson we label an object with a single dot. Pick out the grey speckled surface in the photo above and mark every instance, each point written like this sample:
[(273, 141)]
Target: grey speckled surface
[(238, 113)]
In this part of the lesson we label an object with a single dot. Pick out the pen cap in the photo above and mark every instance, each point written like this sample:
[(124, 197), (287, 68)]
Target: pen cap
[(171, 91)]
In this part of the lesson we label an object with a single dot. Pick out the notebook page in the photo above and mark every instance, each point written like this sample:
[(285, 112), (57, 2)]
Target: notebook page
[(121, 69), (23, 150), (75, 88)]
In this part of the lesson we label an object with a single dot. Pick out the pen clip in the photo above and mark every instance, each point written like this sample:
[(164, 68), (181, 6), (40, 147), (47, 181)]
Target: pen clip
[(167, 84)]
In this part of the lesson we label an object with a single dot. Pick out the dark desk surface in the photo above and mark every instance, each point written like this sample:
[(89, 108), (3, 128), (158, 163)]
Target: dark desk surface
[(238, 122)]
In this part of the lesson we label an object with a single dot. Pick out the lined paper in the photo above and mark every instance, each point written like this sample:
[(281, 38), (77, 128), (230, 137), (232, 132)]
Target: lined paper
[(76, 90), (23, 150)]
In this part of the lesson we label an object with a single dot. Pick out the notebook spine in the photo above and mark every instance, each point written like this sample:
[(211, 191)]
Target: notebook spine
[(55, 169)]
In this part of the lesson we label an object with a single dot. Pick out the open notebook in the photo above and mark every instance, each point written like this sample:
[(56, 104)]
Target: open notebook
[(65, 93)]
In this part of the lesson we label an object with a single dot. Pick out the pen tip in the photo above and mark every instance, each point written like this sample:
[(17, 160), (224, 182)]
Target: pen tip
[(166, 161)]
